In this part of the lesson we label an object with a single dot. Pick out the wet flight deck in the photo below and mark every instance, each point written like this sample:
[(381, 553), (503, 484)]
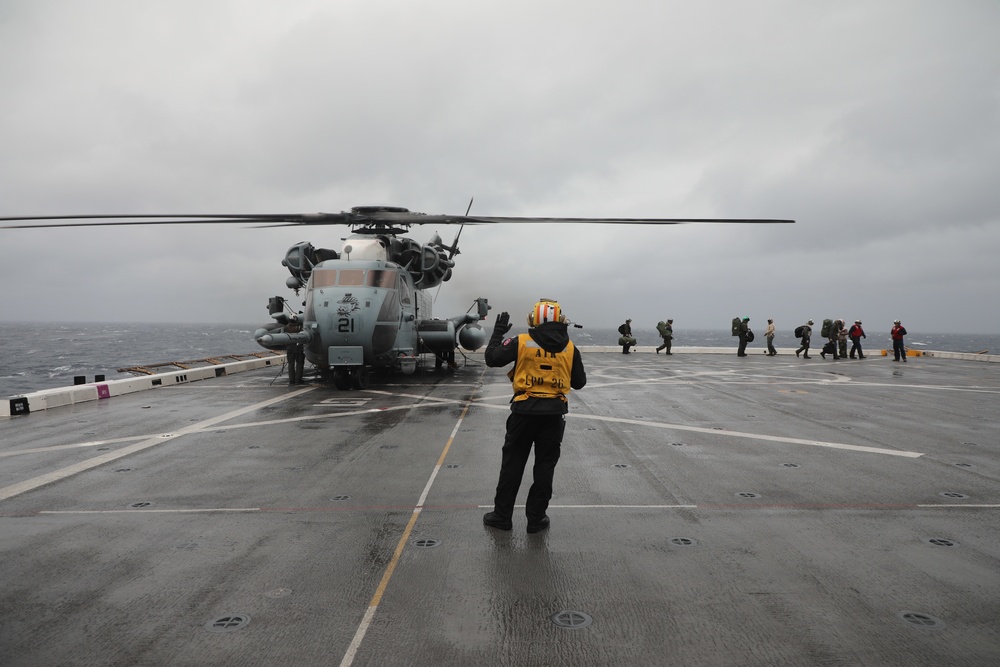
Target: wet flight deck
[(709, 510)]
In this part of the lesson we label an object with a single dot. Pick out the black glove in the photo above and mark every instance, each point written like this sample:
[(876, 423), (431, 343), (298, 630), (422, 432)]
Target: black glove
[(502, 324)]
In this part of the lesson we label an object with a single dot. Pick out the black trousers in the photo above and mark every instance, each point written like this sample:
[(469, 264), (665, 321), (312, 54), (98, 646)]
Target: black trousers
[(856, 347), (545, 432), (295, 357)]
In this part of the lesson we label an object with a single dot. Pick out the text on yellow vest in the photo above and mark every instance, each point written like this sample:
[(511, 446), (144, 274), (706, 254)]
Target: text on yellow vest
[(539, 373)]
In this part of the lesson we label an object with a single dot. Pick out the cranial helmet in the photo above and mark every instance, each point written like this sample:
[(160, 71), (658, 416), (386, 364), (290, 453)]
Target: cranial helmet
[(545, 310)]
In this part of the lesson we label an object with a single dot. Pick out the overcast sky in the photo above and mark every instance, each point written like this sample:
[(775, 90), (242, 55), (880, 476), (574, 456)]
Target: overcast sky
[(875, 125)]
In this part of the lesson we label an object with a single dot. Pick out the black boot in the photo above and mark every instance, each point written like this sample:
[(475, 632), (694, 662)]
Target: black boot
[(493, 520)]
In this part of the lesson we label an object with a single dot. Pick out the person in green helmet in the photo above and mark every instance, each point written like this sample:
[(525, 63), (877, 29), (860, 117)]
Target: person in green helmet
[(743, 333)]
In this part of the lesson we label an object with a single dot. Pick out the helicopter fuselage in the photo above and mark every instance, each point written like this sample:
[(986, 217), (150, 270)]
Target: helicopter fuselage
[(365, 312), (362, 313)]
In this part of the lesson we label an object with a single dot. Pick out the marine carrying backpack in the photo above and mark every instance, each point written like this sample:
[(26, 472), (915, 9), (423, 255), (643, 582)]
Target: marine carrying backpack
[(799, 330)]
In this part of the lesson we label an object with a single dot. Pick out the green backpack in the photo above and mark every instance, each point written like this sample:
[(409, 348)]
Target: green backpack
[(736, 326), (827, 328)]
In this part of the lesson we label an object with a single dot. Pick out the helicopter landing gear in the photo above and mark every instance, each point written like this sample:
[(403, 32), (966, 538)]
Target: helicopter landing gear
[(341, 379), (357, 377), (360, 378)]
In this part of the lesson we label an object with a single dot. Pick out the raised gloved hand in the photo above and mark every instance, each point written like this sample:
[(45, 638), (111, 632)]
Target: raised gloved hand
[(502, 325)]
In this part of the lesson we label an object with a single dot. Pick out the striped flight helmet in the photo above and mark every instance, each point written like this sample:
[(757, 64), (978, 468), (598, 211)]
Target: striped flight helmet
[(545, 310)]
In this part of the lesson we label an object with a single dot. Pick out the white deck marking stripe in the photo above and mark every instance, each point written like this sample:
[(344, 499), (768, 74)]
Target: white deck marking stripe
[(334, 415), (962, 506), (69, 471), (751, 436), (145, 510), (611, 507), (352, 650), (89, 443), (748, 506)]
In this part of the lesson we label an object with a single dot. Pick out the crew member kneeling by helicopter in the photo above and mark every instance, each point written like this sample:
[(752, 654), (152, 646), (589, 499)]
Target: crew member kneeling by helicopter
[(546, 366), (295, 355)]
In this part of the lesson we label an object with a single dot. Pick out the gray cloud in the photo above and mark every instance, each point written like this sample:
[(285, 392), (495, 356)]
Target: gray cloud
[(875, 125)]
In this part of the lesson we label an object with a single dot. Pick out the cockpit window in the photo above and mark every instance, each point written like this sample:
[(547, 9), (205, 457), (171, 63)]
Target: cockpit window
[(404, 290), (324, 277), (385, 279), (352, 277)]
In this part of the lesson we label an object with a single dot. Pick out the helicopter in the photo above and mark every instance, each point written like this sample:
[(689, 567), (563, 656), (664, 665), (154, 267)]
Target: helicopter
[(367, 305)]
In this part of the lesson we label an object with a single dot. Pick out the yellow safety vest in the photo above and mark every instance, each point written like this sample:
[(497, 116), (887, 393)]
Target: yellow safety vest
[(541, 374)]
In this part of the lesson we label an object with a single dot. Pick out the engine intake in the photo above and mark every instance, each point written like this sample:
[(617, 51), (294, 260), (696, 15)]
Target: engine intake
[(429, 264), (300, 260)]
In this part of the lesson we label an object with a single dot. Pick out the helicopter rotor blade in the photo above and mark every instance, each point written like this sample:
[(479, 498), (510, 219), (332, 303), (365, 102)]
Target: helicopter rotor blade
[(374, 217), (133, 222), (278, 219), (628, 221)]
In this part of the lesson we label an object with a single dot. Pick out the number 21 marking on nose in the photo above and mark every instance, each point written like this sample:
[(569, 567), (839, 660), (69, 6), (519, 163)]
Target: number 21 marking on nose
[(345, 325)]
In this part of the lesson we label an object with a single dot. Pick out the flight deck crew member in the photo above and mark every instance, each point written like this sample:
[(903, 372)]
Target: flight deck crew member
[(856, 333), (807, 330), (769, 335), (546, 366), (742, 333), (626, 340), (897, 333), (295, 356), (832, 338), (842, 338), (667, 333)]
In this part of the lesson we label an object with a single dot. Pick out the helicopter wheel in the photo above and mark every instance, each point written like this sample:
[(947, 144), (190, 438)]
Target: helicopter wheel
[(360, 378), (341, 378)]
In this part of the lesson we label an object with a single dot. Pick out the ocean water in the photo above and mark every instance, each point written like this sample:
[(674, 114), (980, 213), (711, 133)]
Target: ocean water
[(37, 356), (44, 355)]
